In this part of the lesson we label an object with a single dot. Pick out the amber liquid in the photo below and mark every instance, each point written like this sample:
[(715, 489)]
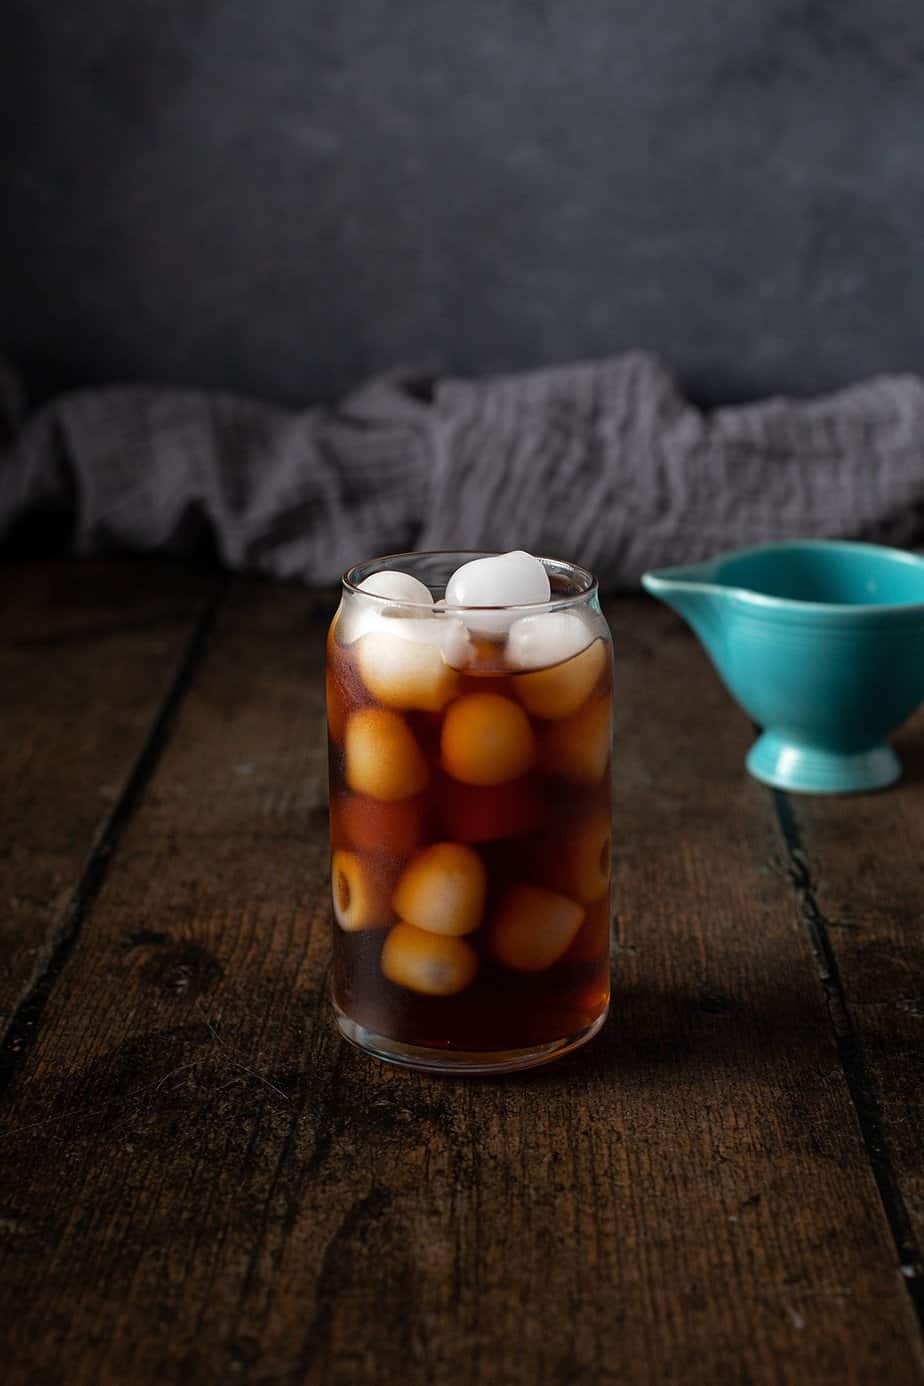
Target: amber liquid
[(524, 832)]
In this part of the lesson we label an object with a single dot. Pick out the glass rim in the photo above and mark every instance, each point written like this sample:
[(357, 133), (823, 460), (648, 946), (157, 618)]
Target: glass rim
[(587, 589)]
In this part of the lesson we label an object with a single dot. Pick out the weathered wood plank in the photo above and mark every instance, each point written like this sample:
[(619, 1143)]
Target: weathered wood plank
[(88, 653), (858, 866), (201, 1183)]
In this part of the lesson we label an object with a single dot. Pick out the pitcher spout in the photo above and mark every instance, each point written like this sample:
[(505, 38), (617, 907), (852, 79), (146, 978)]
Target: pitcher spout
[(692, 592)]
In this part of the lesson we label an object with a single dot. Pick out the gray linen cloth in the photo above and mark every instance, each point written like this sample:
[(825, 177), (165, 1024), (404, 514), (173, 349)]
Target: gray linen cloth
[(602, 462)]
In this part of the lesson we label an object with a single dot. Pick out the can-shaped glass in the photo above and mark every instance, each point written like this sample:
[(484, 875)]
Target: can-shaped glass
[(470, 810)]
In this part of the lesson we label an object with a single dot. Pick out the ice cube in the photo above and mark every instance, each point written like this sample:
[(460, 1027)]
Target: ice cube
[(450, 633), (433, 964), (361, 890), (592, 940), (558, 661), (537, 642), (383, 760), (362, 613), (357, 616), (443, 890), (397, 587), (401, 663), (534, 927), (506, 579), (456, 643), (578, 746), (486, 740)]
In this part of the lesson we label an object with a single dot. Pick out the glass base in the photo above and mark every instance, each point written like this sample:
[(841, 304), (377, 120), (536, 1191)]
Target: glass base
[(462, 1061)]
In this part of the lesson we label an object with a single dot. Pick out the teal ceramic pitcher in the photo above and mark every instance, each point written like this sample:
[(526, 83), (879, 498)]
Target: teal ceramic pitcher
[(822, 644)]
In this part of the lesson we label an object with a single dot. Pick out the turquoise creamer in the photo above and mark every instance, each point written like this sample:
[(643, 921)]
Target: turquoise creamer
[(822, 643)]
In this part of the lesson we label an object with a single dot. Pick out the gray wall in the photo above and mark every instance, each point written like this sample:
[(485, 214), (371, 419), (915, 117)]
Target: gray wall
[(283, 197)]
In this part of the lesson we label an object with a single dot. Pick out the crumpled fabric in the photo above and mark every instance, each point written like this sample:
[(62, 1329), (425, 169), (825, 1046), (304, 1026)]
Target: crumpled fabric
[(605, 463)]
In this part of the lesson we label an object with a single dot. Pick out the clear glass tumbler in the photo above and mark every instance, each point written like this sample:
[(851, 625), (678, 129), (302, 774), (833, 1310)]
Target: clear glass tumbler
[(470, 821)]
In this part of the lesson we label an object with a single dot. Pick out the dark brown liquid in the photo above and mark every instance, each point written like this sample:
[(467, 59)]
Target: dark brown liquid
[(520, 829)]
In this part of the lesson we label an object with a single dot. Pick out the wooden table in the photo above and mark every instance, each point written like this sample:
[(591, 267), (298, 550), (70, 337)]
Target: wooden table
[(201, 1183)]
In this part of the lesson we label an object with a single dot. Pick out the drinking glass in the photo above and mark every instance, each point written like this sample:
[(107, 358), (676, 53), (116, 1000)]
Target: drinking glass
[(470, 821)]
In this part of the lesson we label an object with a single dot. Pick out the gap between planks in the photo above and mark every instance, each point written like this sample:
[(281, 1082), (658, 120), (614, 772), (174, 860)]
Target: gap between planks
[(850, 1054), (24, 1024)]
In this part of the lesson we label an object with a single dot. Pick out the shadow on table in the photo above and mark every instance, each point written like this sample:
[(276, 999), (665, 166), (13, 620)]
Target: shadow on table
[(910, 751), (673, 1037)]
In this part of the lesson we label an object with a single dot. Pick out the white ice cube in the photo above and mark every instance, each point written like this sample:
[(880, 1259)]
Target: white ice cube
[(507, 579), (397, 587), (362, 613), (357, 615), (456, 643), (536, 642), (401, 663)]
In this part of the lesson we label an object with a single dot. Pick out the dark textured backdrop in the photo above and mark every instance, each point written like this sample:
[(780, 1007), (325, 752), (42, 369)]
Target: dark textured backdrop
[(282, 197)]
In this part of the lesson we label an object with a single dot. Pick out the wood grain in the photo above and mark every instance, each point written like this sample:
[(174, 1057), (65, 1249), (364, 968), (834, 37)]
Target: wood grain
[(201, 1183), (88, 654)]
